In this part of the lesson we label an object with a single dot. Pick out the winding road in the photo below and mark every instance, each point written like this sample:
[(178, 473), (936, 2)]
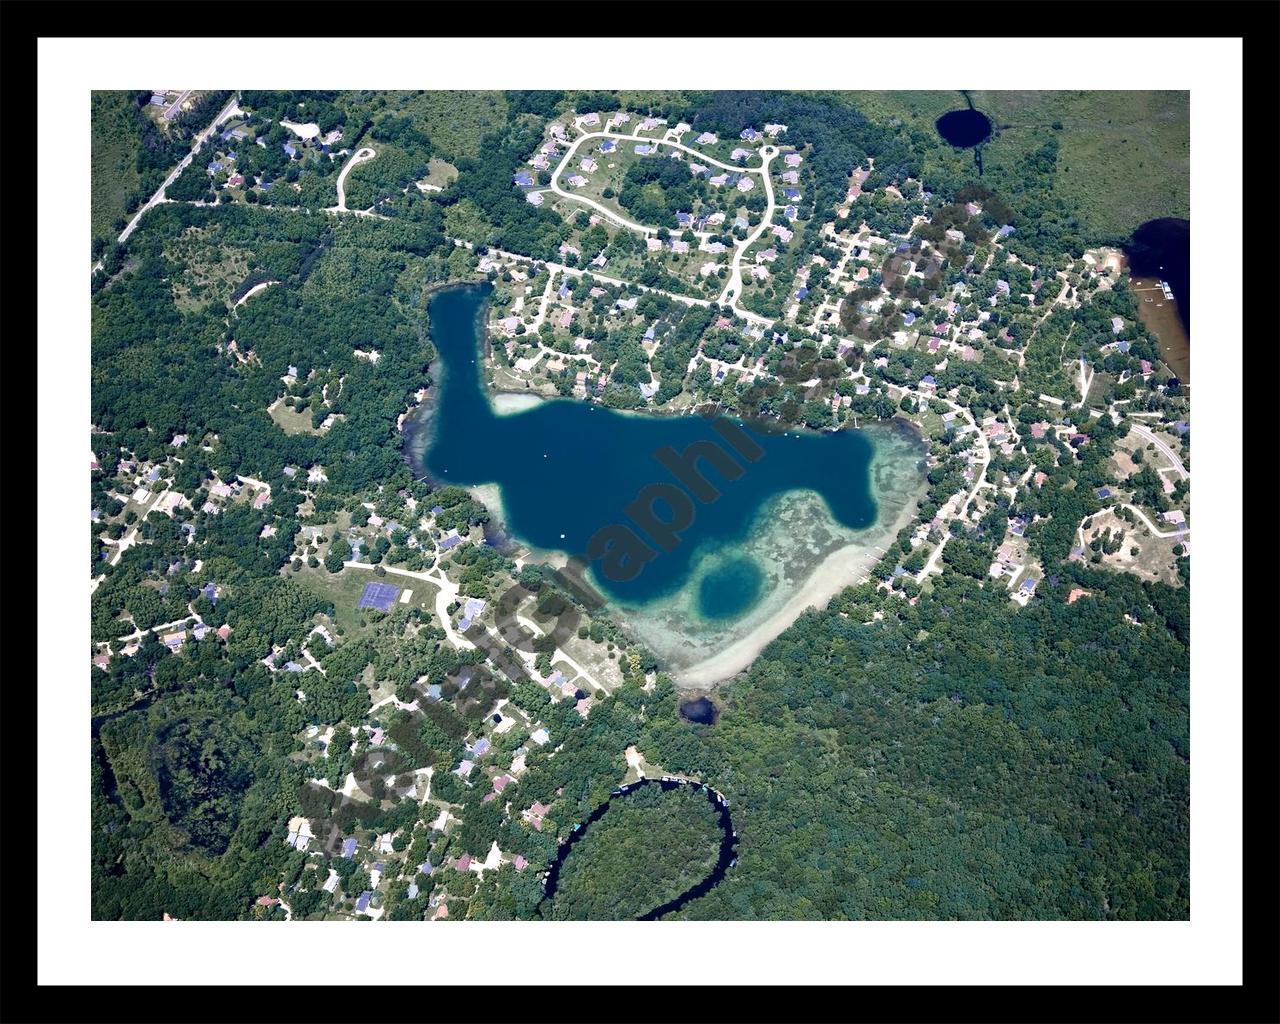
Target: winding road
[(1165, 450), (360, 156), (733, 288)]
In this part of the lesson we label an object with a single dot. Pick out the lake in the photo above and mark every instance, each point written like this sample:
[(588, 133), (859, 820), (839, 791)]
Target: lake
[(1160, 250), (712, 535)]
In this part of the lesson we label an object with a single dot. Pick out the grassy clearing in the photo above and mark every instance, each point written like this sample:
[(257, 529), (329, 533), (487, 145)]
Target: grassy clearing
[(113, 152), (344, 589), (440, 172), (1124, 157), (291, 421)]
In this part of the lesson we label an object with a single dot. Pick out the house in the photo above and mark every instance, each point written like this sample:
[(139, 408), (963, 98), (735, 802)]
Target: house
[(1146, 368), (1028, 587), (577, 180), (749, 134), (540, 736), (534, 198), (774, 130), (767, 255), (589, 120), (793, 160), (464, 863), (679, 245), (235, 180), (718, 180), (568, 250), (362, 903), (790, 212), (695, 169), (740, 154), (608, 146), (683, 219), (224, 631), (653, 244), (647, 391), (648, 334), (540, 162), (289, 150), (1103, 492), (1005, 231), (1175, 516), (644, 149), (508, 325), (214, 167), (802, 293), (174, 641)]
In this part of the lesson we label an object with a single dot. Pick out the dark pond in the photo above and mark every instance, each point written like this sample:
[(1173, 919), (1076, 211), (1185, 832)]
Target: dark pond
[(701, 711), (964, 128), (728, 846), (730, 590)]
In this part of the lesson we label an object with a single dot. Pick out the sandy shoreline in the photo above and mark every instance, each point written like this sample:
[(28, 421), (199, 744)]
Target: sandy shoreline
[(507, 402), (842, 568)]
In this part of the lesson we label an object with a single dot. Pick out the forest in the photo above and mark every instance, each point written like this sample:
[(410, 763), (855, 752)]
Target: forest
[(648, 848)]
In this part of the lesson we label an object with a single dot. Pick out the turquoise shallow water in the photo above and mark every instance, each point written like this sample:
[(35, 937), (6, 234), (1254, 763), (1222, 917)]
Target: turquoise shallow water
[(609, 486)]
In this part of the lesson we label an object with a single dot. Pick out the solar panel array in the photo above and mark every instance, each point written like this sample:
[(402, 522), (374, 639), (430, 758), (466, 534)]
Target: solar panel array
[(379, 595)]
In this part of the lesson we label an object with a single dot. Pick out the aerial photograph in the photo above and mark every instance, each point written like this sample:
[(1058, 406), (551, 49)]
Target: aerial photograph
[(624, 505)]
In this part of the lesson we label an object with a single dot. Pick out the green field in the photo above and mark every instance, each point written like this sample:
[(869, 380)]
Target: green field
[(1124, 157)]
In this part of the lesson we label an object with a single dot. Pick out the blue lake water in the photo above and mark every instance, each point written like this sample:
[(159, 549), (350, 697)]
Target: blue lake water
[(567, 468)]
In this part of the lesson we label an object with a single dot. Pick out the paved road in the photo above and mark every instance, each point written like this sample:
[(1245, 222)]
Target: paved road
[(1168, 452), (1183, 532), (360, 156), (733, 288), (230, 110), (176, 106)]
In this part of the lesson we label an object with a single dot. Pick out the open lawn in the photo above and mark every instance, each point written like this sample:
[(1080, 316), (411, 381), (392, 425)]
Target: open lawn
[(344, 589), (291, 421)]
